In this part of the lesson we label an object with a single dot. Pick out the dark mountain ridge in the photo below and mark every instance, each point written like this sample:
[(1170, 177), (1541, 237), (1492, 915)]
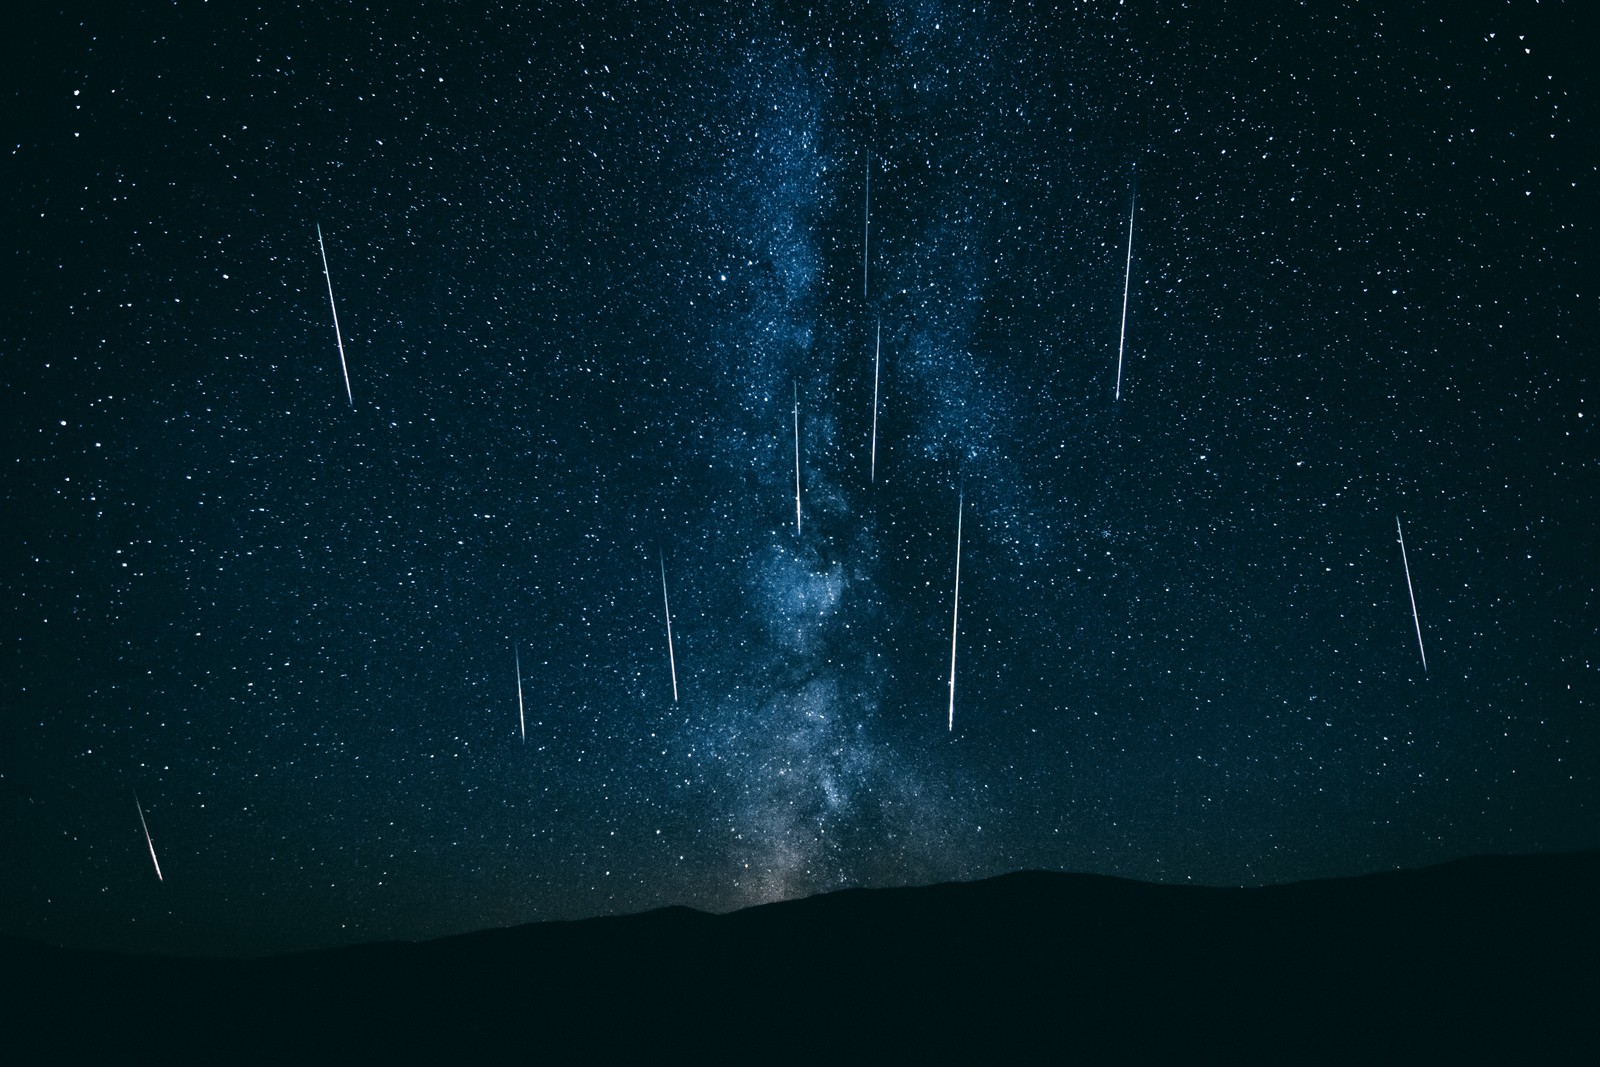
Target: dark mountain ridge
[(1493, 956)]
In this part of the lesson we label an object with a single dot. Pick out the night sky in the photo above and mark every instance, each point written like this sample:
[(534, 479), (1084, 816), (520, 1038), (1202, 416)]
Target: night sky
[(586, 261)]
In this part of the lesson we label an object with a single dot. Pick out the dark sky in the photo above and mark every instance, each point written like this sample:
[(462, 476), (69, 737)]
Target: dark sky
[(585, 260)]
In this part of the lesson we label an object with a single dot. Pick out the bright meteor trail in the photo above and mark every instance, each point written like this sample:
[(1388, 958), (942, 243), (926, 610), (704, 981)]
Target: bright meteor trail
[(797, 458), (877, 354), (955, 611), (331, 306), (666, 608), (1415, 619), (146, 828), (1127, 276), (522, 720)]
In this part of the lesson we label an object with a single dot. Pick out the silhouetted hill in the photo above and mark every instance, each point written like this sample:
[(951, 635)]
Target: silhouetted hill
[(1490, 958)]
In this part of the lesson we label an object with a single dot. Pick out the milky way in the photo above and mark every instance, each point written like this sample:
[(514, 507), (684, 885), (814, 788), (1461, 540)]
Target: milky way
[(622, 313)]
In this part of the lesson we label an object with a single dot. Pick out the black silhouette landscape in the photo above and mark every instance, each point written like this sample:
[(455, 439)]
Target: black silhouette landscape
[(1490, 957)]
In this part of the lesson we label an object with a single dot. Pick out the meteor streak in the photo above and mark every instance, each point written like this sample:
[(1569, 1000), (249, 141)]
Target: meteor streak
[(144, 826), (1415, 619), (877, 354), (797, 458), (666, 608), (1127, 276), (522, 720), (955, 611), (332, 307)]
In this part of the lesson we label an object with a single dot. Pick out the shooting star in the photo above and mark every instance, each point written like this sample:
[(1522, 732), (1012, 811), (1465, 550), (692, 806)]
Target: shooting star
[(332, 307), (1127, 276), (1415, 619), (866, 233), (666, 608), (955, 611), (877, 354), (522, 719), (797, 459), (145, 826)]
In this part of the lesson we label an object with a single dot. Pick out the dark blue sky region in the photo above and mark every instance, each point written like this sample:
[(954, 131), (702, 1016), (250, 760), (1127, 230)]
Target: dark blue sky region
[(586, 262)]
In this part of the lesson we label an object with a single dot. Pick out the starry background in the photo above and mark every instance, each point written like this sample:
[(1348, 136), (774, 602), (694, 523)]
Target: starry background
[(585, 260)]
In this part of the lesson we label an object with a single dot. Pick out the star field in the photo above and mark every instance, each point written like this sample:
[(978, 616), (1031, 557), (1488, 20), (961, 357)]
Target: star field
[(587, 261)]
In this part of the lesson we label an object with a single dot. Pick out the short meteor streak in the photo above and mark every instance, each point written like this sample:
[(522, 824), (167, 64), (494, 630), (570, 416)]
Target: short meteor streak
[(797, 458), (332, 307), (145, 826), (522, 719), (955, 611), (877, 355), (1127, 276), (1415, 619), (666, 607)]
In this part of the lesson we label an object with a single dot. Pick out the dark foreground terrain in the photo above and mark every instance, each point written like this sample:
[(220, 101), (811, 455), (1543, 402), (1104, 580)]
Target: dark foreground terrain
[(1484, 959)]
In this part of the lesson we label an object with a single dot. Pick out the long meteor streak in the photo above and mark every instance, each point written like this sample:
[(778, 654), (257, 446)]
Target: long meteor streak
[(866, 234), (666, 608), (1127, 276), (877, 354), (332, 307), (1415, 619), (797, 458), (955, 611), (522, 719), (146, 828)]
